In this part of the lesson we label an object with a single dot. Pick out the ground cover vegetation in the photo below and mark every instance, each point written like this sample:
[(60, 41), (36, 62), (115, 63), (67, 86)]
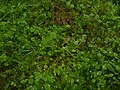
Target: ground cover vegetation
[(59, 45)]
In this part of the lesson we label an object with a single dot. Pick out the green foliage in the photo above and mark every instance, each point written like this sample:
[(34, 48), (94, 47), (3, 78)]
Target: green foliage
[(59, 45)]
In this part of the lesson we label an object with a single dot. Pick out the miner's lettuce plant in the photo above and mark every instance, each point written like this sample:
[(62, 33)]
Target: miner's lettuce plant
[(55, 45)]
